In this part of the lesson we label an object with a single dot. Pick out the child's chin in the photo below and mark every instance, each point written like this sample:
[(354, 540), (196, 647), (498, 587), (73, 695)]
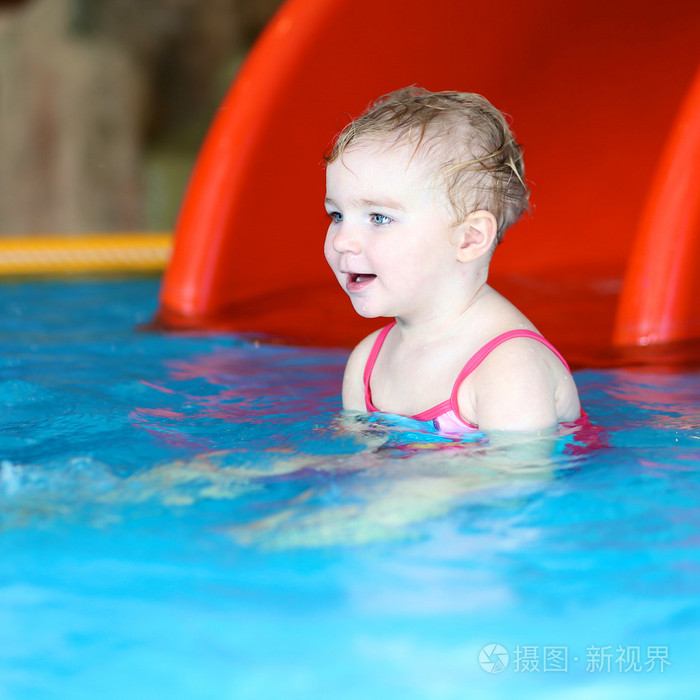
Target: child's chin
[(367, 313)]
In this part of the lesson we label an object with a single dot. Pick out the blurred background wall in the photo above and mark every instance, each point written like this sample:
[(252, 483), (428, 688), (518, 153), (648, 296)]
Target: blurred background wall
[(104, 104)]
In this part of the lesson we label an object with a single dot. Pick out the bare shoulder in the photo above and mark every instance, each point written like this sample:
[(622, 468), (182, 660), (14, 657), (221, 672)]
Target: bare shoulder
[(523, 386), (353, 379)]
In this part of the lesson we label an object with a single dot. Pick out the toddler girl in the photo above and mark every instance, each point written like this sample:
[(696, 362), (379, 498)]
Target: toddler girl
[(420, 190)]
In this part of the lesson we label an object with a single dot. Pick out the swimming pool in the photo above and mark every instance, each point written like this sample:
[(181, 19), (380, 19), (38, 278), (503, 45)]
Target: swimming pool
[(190, 516)]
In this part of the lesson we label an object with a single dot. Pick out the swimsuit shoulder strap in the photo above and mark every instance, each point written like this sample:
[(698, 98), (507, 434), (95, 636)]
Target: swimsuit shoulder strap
[(369, 366), (485, 350), (472, 363)]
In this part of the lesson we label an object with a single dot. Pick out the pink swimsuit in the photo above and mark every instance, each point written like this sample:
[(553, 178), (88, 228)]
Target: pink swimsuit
[(445, 416)]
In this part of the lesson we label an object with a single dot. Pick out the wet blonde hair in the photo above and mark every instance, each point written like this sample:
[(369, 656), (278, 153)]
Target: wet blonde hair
[(466, 139)]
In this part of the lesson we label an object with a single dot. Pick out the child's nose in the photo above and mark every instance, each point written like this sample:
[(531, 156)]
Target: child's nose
[(346, 239)]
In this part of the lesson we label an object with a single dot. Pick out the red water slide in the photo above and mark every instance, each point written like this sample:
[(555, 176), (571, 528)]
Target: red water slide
[(605, 97)]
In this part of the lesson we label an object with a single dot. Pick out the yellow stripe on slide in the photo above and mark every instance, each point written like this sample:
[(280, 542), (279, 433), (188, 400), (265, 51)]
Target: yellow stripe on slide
[(120, 252)]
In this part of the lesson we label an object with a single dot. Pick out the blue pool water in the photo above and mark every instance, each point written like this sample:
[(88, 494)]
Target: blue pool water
[(190, 516)]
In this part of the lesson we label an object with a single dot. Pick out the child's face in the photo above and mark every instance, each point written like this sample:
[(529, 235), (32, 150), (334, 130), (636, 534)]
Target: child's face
[(388, 241)]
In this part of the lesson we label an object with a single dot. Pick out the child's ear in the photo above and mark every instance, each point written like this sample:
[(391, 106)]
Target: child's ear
[(476, 235)]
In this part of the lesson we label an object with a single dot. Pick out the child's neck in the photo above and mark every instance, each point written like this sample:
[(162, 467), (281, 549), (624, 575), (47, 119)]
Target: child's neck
[(446, 319)]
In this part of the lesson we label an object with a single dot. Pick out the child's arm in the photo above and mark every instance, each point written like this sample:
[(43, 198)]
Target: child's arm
[(353, 379), (520, 387)]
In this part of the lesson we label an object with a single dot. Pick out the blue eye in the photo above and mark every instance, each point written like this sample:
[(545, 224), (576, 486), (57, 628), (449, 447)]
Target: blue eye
[(336, 216), (379, 219)]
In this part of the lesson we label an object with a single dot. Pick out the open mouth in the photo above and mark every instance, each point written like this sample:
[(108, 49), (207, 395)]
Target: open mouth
[(358, 277)]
